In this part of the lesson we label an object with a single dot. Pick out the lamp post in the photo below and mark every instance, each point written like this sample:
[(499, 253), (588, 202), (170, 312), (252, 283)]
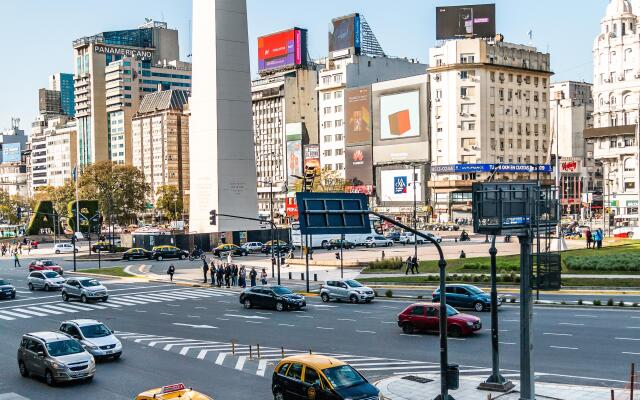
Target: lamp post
[(270, 183), (559, 98)]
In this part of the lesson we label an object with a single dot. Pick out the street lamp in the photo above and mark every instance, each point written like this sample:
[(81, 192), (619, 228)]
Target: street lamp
[(270, 183), (559, 98), (414, 184)]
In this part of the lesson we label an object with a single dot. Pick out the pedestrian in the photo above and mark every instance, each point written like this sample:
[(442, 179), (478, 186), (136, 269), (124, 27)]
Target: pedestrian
[(3, 249), (212, 271), (229, 258), (382, 255), (600, 238), (589, 237), (409, 266), (205, 270), (170, 272), (252, 276), (263, 276), (20, 248), (227, 275), (29, 247), (16, 261), (234, 275), (463, 254), (414, 263), (219, 274), (242, 280)]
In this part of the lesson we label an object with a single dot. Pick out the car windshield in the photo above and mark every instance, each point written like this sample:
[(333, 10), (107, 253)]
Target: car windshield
[(48, 263), (3, 282), (343, 376), (51, 274), (451, 311), (353, 283), (474, 290), (64, 348), (281, 290), (90, 283), (95, 331)]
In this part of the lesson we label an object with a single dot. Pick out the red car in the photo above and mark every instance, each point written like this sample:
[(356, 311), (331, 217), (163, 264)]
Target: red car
[(45, 265), (423, 317)]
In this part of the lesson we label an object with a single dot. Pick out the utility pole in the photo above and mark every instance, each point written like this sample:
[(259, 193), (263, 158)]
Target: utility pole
[(559, 97), (415, 215)]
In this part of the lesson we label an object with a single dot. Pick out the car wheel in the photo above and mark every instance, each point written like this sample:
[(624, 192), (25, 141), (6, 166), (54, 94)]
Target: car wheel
[(455, 331), (129, 258), (353, 299), (373, 245), (75, 250), (182, 257), (57, 251), (325, 297), (46, 288), (65, 297), (48, 378), (31, 286), (159, 258), (390, 244), (279, 306), (84, 299), (407, 328), (23, 369), (478, 306), (277, 395), (104, 299), (13, 296), (247, 303)]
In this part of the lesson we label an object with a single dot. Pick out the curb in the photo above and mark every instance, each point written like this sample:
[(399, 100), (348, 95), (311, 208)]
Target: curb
[(586, 290), (107, 276)]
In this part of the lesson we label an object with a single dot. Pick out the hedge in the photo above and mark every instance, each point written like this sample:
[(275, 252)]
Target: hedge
[(394, 263), (629, 262)]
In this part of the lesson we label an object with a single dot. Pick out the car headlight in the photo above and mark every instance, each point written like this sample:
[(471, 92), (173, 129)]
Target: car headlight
[(469, 323), (58, 365), (91, 346)]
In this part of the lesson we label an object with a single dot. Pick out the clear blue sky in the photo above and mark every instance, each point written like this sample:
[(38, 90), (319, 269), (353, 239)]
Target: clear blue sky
[(36, 35)]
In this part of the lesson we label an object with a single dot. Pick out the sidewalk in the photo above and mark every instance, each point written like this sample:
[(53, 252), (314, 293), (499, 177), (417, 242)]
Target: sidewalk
[(397, 388)]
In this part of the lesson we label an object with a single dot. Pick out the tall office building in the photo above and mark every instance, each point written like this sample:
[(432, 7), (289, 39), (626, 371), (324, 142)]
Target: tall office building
[(49, 102), (160, 136), (63, 83), (489, 104), (107, 67), (13, 169), (616, 94)]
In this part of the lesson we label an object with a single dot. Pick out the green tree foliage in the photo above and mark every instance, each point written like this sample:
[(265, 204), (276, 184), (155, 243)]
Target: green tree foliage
[(42, 218), (9, 207), (60, 196), (169, 202), (327, 181), (89, 221), (121, 190)]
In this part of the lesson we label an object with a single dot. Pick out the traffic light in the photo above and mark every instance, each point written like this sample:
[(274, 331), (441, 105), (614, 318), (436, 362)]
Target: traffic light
[(213, 217), (19, 213), (337, 256)]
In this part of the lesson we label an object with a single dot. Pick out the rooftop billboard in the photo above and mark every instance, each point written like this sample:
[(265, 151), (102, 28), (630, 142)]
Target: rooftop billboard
[(469, 21), (358, 116), (11, 153), (284, 49), (344, 33)]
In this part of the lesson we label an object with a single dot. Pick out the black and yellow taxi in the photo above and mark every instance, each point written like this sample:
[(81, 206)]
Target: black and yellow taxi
[(159, 253), (225, 249), (317, 377), (136, 253), (176, 391)]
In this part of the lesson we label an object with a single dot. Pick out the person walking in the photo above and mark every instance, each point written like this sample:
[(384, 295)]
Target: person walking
[(234, 275), (588, 237), (3, 249), (409, 266), (16, 261), (242, 280), (600, 237), (227, 275), (263, 276), (170, 272), (212, 271), (229, 258), (414, 264), (205, 270), (252, 276)]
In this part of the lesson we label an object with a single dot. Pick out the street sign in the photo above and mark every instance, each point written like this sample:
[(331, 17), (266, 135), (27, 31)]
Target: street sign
[(333, 213)]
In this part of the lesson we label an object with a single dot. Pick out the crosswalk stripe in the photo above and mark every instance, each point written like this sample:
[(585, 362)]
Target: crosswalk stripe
[(161, 297), (240, 363), (262, 367), (76, 307), (45, 310), (144, 298), (93, 306), (25, 311), (123, 302), (208, 346), (14, 314), (219, 360), (6, 318), (57, 308)]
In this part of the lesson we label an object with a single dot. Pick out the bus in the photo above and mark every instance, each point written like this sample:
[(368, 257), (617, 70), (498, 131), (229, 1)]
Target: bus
[(322, 241)]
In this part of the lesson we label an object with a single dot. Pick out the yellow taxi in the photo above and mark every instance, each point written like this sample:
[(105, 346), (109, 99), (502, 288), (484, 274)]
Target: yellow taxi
[(316, 377), (176, 391)]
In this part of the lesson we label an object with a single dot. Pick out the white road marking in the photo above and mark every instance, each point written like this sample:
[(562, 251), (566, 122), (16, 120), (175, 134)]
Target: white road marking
[(633, 354), (557, 334), (253, 322), (262, 367), (13, 314), (570, 324), (196, 326), (223, 319), (201, 308), (304, 316), (508, 343), (363, 312), (286, 325), (6, 318), (240, 362), (246, 316), (346, 319), (633, 327), (261, 312), (389, 322), (166, 313), (219, 360), (585, 316), (564, 348), (325, 328), (140, 311), (624, 338), (364, 331)]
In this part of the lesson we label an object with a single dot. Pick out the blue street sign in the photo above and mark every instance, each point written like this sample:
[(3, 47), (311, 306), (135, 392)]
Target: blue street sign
[(333, 213)]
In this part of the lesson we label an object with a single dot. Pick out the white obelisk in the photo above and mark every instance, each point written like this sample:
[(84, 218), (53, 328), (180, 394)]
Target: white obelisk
[(221, 149)]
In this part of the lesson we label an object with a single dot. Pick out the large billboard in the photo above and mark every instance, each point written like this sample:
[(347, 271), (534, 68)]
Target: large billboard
[(397, 185), (400, 115), (312, 156), (282, 49), (476, 168), (11, 153), (359, 164), (470, 21), (358, 116), (294, 161), (344, 33)]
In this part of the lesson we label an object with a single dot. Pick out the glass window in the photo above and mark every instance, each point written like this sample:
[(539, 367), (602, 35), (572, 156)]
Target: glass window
[(283, 368), (343, 376), (432, 312), (64, 347), (311, 376), (417, 310), (295, 372), (95, 331)]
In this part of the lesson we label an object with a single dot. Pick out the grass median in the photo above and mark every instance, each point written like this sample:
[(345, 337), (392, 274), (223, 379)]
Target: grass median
[(112, 271), (567, 282)]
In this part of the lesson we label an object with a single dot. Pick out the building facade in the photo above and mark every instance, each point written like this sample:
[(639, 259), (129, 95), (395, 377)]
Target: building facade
[(282, 102), (160, 142), (61, 145), (150, 45), (13, 168), (63, 83), (489, 104), (616, 94)]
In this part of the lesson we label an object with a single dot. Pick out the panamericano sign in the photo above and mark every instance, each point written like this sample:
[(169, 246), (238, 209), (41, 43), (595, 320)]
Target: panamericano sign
[(123, 51)]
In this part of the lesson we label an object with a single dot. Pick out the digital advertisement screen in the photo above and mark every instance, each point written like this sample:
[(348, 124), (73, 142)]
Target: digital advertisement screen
[(294, 160), (397, 185), (344, 33), (400, 115), (11, 153), (470, 21), (359, 164), (283, 49), (358, 116)]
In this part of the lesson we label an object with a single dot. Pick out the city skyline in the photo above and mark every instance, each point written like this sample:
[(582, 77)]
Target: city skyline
[(570, 60)]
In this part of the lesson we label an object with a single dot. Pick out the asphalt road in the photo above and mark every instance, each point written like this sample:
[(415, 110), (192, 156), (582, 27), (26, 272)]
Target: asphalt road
[(177, 334)]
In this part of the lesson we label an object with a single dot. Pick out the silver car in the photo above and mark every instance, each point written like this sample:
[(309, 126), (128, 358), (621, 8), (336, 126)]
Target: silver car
[(46, 280), (94, 336), (54, 356), (347, 290), (85, 289)]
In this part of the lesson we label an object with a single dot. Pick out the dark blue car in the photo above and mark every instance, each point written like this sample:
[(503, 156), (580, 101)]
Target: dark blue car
[(466, 296)]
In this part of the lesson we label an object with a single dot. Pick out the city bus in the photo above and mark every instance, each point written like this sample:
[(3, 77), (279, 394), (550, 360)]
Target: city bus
[(322, 241)]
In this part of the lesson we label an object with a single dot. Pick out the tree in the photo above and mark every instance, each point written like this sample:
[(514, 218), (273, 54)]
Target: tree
[(326, 181), (169, 202), (121, 190), (60, 196), (8, 208)]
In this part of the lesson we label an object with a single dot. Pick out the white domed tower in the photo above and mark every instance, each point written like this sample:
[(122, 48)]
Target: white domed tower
[(616, 97)]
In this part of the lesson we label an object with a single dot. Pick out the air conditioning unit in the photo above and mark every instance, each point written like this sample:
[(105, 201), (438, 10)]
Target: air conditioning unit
[(436, 78), (437, 117), (473, 115), (621, 78), (463, 114)]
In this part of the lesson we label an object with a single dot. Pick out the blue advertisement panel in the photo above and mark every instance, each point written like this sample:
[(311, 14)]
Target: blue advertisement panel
[(471, 168), (11, 152)]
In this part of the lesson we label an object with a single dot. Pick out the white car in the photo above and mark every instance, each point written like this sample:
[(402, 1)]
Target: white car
[(253, 247), (411, 238), (64, 248), (378, 240), (95, 337), (46, 280)]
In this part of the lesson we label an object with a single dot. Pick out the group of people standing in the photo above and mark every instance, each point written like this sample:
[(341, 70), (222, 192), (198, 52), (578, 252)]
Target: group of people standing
[(231, 274), (594, 239)]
